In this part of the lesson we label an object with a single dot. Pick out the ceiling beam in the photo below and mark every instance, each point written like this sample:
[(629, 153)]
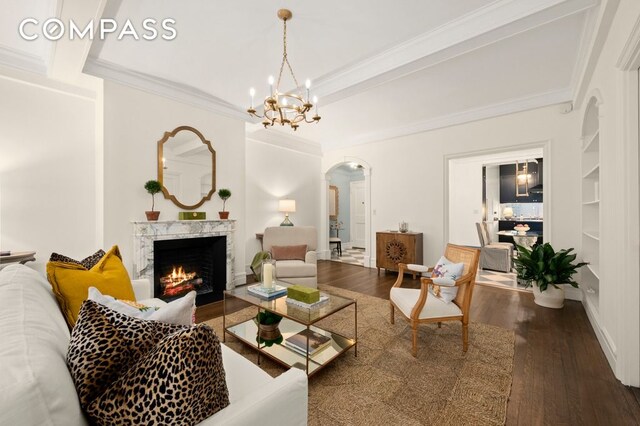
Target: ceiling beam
[(67, 57), (497, 21)]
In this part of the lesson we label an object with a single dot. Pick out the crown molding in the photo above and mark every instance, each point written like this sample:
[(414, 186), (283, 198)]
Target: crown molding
[(489, 111), (629, 57), (21, 60), (284, 140), (162, 87), (497, 21)]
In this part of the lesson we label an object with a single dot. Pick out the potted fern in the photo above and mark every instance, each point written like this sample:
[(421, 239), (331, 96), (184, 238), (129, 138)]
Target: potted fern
[(224, 195), (152, 187), (548, 271)]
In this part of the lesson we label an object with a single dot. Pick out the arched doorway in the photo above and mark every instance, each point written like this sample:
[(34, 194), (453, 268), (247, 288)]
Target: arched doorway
[(358, 228)]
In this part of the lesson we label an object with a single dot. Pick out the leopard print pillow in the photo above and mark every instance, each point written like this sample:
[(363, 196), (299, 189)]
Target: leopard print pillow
[(104, 343), (166, 373), (88, 262), (181, 381)]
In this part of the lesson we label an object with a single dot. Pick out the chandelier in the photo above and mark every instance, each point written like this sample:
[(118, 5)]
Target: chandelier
[(286, 108)]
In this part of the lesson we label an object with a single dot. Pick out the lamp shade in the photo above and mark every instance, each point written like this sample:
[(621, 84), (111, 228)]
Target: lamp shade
[(287, 206)]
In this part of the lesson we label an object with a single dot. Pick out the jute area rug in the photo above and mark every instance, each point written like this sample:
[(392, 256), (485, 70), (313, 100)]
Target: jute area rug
[(385, 385)]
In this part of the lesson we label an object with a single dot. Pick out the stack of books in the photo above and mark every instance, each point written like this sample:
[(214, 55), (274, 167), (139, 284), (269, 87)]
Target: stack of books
[(317, 342), (323, 300), (267, 292)]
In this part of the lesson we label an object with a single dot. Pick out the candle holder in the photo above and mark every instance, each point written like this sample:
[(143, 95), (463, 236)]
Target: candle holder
[(268, 273)]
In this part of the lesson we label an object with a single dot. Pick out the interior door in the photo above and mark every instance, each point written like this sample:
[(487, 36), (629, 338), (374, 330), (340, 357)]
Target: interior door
[(357, 208)]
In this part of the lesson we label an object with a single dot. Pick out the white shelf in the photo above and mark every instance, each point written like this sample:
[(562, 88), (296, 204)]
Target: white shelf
[(593, 268), (594, 173), (592, 144), (591, 203), (592, 234)]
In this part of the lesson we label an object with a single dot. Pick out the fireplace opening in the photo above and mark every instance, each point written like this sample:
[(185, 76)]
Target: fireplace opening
[(183, 265)]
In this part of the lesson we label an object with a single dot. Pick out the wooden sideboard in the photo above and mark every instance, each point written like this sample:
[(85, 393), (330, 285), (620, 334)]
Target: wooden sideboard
[(394, 247)]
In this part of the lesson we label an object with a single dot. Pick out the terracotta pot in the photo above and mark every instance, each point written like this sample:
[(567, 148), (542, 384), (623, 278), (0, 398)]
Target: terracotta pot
[(152, 216), (550, 298), (223, 215)]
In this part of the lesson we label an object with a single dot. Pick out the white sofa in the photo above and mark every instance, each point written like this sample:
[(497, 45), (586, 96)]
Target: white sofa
[(294, 271), (36, 388)]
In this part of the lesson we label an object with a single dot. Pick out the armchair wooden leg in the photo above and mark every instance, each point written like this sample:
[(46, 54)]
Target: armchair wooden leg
[(393, 319), (414, 350), (465, 337)]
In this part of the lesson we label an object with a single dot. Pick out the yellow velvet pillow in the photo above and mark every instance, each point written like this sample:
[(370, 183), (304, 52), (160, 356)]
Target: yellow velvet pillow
[(71, 282)]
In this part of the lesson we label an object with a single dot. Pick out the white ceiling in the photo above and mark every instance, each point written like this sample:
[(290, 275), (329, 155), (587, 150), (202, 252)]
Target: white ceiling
[(380, 68)]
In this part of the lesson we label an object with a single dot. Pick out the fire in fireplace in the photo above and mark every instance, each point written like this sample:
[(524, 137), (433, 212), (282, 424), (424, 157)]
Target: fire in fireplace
[(183, 265), (179, 282)]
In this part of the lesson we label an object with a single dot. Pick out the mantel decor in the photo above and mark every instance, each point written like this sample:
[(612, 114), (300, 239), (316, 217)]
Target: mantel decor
[(290, 108)]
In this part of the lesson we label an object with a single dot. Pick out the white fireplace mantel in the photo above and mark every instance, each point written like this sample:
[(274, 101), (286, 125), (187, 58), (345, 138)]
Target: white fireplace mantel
[(145, 233)]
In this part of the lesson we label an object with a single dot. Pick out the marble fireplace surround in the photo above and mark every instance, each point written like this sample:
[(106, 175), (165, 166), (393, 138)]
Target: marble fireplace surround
[(145, 233)]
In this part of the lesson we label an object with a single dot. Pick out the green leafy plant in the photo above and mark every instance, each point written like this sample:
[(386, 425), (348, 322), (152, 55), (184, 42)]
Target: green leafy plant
[(224, 195), (543, 266), (153, 187), (267, 318)]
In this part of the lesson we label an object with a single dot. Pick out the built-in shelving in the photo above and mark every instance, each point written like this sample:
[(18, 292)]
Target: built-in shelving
[(590, 227), (593, 173)]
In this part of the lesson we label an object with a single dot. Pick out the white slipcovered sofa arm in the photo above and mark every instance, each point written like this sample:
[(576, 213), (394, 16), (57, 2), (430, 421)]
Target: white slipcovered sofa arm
[(282, 402), (311, 257), (142, 288)]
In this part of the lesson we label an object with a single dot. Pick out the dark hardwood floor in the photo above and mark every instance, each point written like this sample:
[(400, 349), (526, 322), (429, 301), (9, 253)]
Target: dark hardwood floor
[(561, 375)]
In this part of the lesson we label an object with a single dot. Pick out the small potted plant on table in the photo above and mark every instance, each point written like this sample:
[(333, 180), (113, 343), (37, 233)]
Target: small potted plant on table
[(268, 331), (224, 195), (547, 270), (152, 187)]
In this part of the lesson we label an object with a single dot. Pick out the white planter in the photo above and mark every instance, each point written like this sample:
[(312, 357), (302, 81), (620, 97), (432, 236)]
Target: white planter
[(552, 297)]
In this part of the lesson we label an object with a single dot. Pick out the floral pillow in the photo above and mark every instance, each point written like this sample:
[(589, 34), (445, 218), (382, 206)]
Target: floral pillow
[(446, 273), (180, 311)]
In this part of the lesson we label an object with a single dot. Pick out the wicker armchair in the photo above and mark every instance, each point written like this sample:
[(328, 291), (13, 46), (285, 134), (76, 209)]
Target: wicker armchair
[(417, 306)]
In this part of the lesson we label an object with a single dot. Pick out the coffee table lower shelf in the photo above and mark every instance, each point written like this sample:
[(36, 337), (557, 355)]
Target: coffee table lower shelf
[(247, 332)]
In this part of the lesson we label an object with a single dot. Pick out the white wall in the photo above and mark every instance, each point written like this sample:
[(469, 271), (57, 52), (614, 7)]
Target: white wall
[(619, 302), (274, 173), (48, 187), (465, 201), (134, 122), (407, 174)]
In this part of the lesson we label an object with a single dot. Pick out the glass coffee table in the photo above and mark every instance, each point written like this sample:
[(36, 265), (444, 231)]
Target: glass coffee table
[(295, 319)]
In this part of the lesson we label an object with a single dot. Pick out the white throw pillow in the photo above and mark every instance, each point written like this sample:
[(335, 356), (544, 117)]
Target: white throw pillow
[(180, 311), (447, 272)]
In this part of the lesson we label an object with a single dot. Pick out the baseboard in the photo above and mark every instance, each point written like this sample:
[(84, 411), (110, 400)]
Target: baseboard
[(324, 254), (602, 335), (348, 245), (240, 279)]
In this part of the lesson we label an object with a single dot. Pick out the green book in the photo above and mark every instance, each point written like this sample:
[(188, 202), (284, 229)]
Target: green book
[(303, 294)]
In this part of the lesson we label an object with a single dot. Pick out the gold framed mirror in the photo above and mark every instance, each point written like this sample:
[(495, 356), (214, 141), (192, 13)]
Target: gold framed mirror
[(333, 202), (186, 167)]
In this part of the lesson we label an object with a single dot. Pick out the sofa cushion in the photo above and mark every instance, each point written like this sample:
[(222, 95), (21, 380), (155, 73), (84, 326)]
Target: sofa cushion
[(35, 385), (71, 282), (104, 343), (181, 380), (297, 252), (180, 311), (295, 268)]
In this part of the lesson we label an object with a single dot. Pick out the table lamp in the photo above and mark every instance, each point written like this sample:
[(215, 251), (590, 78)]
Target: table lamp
[(287, 206)]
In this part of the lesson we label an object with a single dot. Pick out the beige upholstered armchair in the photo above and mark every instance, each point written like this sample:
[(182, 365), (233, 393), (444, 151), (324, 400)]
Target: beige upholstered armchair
[(296, 269), (496, 256), (418, 306)]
